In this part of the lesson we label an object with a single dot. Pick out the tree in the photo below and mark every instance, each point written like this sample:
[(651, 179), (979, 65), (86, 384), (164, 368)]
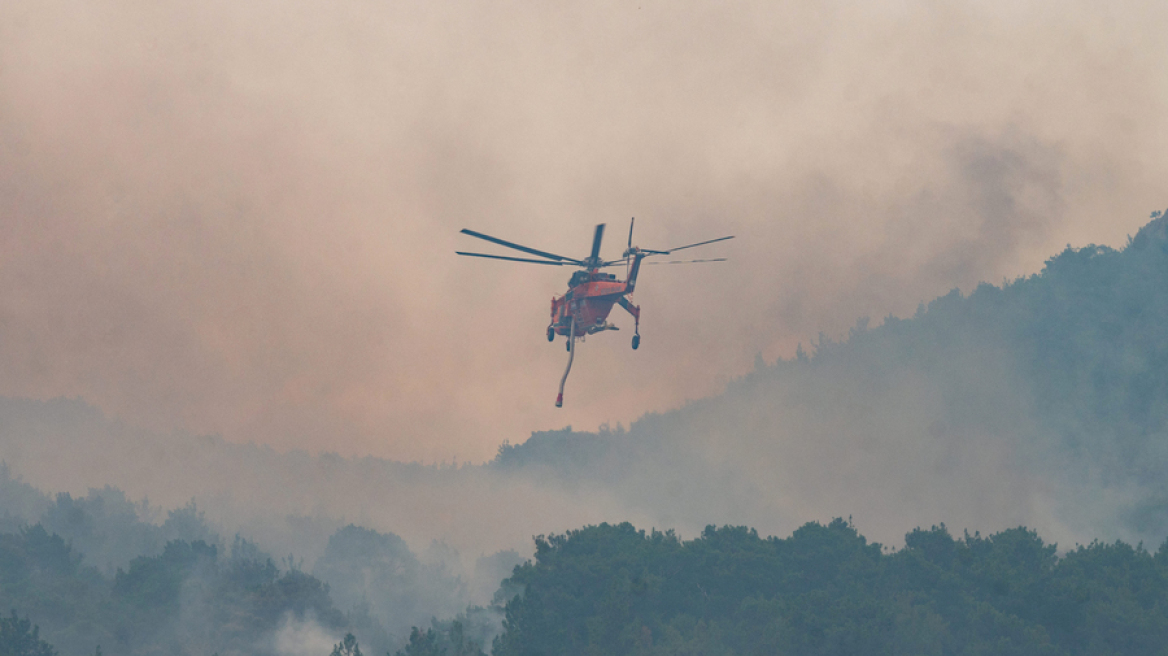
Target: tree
[(423, 644), (442, 640), (347, 647), (21, 638)]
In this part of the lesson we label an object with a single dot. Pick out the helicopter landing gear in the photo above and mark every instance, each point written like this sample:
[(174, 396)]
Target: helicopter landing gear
[(636, 312), (551, 334)]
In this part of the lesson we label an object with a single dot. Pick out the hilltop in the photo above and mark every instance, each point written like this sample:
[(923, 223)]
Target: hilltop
[(1040, 402), (1047, 395)]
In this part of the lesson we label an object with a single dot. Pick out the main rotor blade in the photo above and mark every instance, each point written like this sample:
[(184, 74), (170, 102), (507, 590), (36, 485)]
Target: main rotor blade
[(596, 242), (496, 240), (621, 262), (717, 259), (513, 259), (631, 221), (700, 243)]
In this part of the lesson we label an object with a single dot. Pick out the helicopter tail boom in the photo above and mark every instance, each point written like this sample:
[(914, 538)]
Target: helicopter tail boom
[(631, 283)]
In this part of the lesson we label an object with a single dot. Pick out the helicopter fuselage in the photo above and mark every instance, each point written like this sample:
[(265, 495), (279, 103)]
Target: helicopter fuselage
[(590, 297), (589, 303)]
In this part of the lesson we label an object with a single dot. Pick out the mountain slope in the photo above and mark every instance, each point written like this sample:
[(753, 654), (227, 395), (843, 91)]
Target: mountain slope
[(1043, 401)]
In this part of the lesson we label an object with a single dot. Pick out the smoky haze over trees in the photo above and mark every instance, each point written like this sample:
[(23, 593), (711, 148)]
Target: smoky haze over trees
[(97, 571), (1040, 403), (229, 306), (602, 589)]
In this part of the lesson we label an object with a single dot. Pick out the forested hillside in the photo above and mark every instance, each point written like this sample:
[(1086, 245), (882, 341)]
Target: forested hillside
[(827, 590), (1042, 403), (100, 570), (1053, 386), (608, 589)]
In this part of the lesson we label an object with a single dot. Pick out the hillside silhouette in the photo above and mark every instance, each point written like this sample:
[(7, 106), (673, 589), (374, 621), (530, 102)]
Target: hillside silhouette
[(828, 590), (1054, 385), (1040, 402)]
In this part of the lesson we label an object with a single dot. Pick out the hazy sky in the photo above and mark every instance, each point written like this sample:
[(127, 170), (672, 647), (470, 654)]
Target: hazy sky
[(241, 218)]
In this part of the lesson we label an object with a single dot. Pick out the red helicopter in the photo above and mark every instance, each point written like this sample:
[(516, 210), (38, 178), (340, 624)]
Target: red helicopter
[(584, 309)]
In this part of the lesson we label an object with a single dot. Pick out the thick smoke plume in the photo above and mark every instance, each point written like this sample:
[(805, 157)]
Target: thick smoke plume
[(228, 283), (240, 219)]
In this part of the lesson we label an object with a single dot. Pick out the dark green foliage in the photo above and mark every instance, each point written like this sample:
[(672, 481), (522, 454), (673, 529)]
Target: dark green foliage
[(110, 530), (154, 584), (347, 647), (561, 447), (43, 576), (188, 599), (441, 640), (226, 603), (381, 583), (20, 638), (422, 643), (826, 590), (20, 503)]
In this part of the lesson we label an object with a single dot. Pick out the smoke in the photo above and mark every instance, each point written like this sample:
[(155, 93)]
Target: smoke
[(290, 502), (302, 638), (240, 219), (174, 586)]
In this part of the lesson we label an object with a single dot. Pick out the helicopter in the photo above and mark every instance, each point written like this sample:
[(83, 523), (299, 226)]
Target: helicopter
[(592, 293)]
